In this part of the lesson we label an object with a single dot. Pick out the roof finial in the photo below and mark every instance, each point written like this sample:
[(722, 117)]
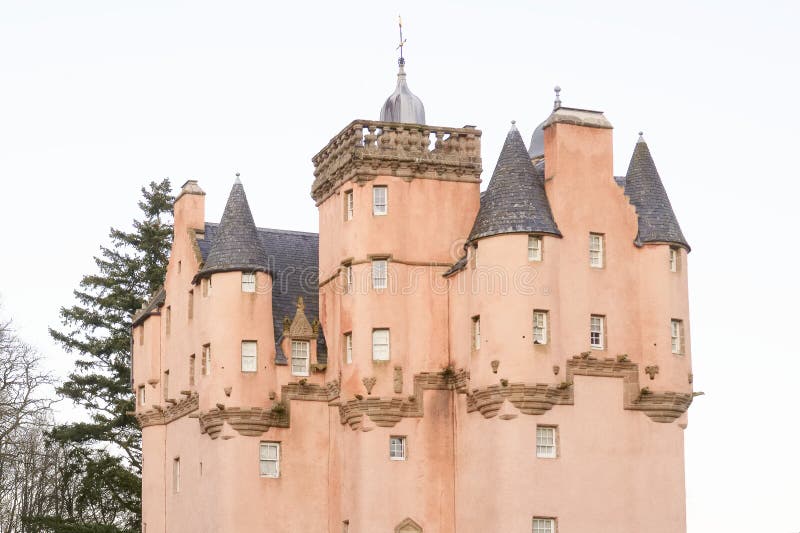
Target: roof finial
[(513, 125), (238, 181), (641, 137), (557, 102), (402, 60)]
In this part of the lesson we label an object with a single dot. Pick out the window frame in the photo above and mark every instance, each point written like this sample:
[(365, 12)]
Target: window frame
[(600, 251), (192, 369), (205, 361), (388, 344), (347, 269), (190, 307), (545, 315), (676, 336), (142, 395), (541, 452), (349, 205), (375, 204), (601, 333), (348, 348), (385, 278), (537, 255), (249, 357), (674, 258), (549, 527), (249, 282), (403, 442), (266, 445), (307, 345), (476, 332), (176, 474)]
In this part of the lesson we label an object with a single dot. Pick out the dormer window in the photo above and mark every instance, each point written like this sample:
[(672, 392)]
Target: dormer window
[(300, 356), (534, 248), (380, 200), (248, 282)]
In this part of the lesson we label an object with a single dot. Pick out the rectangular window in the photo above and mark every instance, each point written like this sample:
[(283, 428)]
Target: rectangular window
[(476, 333), (380, 200), (166, 384), (248, 282), (142, 395), (249, 356), (596, 250), (673, 259), (539, 327), (545, 441), (380, 344), (348, 278), (677, 336), (379, 277), (191, 304), (534, 248), (544, 525), (176, 475), (205, 363), (269, 459), (300, 354), (346, 526), (168, 319), (191, 370), (205, 283), (348, 205), (597, 332), (397, 448), (348, 348)]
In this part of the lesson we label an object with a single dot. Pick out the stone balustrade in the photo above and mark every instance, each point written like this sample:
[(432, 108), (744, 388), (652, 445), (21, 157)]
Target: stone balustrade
[(366, 149)]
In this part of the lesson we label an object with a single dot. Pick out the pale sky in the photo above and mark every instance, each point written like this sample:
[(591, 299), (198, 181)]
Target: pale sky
[(98, 98)]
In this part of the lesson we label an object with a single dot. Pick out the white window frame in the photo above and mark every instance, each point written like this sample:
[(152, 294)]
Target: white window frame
[(676, 336), (597, 247), (301, 353), (176, 475), (546, 442), (266, 458), (397, 448), (248, 282), (534, 247), (543, 525), (379, 353), (674, 255), (540, 326), (205, 363), (348, 205), (476, 332), (348, 278), (249, 356), (380, 273), (380, 208), (597, 326), (348, 347)]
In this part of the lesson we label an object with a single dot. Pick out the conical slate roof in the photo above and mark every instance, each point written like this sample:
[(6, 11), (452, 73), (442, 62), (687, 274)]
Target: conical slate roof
[(643, 186), (515, 201), (237, 245)]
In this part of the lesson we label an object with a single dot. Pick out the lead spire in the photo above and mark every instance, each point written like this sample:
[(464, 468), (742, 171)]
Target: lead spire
[(400, 46), (402, 105)]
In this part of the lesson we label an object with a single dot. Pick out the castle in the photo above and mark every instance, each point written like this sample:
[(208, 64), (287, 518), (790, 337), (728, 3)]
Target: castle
[(436, 359)]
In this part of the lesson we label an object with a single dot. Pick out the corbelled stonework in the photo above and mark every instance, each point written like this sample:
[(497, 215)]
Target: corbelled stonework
[(164, 415), (366, 149)]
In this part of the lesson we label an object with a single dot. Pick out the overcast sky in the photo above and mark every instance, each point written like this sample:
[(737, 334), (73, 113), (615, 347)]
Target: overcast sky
[(98, 98)]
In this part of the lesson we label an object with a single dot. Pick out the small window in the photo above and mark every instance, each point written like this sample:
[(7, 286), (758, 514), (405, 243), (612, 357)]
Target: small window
[(544, 525), (205, 363), (545, 442), (180, 264), (348, 205), (248, 282), (176, 475), (534, 248), (346, 526), (677, 336), (191, 304), (397, 448), (168, 319), (597, 332), (380, 344), (347, 270), (300, 353), (348, 348), (476, 333), (596, 250), (269, 459), (191, 370), (674, 256), (142, 395), (166, 384), (205, 284), (540, 327), (249, 356), (380, 200), (379, 274), (474, 258)]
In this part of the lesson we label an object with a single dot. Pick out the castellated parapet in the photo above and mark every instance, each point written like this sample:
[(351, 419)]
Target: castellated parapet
[(435, 359)]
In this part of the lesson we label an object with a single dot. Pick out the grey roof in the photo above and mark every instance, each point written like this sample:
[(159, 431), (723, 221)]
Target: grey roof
[(294, 263), (643, 186), (236, 246), (537, 142), (403, 105), (150, 307), (515, 201)]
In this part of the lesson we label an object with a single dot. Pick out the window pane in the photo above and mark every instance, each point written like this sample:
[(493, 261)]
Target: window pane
[(379, 200), (379, 273), (248, 282), (249, 356), (380, 344), (300, 354)]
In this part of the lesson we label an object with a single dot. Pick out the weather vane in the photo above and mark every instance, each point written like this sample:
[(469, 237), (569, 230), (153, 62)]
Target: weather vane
[(401, 61)]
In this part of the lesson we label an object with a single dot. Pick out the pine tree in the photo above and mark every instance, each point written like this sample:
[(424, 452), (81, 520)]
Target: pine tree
[(96, 329)]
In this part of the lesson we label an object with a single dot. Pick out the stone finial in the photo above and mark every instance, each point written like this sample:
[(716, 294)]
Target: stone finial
[(300, 327), (237, 181), (641, 137), (557, 102)]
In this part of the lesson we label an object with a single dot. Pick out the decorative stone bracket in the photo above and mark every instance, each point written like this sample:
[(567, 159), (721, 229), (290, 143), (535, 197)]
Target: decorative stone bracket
[(163, 415)]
